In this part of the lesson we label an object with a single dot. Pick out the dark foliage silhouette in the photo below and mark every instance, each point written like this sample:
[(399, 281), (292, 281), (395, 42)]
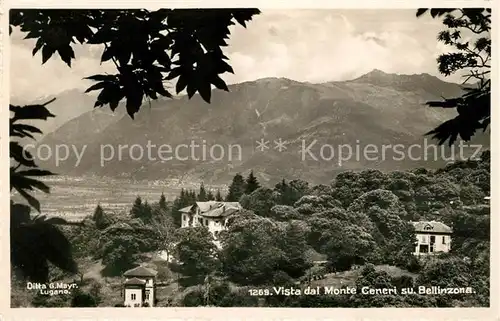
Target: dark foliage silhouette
[(148, 48), (474, 106)]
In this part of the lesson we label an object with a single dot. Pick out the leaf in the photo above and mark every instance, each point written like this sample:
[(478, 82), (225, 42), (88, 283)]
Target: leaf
[(448, 103), (28, 183), (174, 73), (124, 56), (31, 111), (107, 54), (47, 52), (113, 104), (56, 221), (38, 46), (182, 82), (421, 11), (219, 83), (66, 53), (103, 35), (23, 130), (20, 155), (31, 200), (205, 91), (35, 172), (134, 102), (97, 86), (102, 77), (191, 90)]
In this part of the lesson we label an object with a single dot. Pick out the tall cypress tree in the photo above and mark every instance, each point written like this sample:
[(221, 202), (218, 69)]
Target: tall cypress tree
[(218, 196), (251, 183), (236, 189), (178, 204), (191, 198), (202, 195), (98, 213), (210, 195), (163, 202)]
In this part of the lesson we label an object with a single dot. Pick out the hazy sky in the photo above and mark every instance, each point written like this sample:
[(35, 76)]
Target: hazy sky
[(304, 45)]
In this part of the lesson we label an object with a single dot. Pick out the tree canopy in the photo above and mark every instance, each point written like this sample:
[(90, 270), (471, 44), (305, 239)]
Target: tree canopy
[(148, 48), (472, 57)]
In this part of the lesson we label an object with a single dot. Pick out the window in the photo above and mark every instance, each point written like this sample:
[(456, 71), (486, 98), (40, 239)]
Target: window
[(432, 248), (206, 222), (433, 239), (147, 295), (424, 248), (444, 239), (423, 238), (200, 220), (133, 296)]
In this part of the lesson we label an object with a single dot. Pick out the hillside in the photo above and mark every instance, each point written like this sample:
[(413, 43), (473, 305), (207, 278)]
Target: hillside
[(67, 106), (377, 108)]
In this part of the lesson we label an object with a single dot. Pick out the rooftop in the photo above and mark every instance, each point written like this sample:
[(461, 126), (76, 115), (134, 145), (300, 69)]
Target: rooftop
[(432, 226), (208, 206), (134, 281), (186, 209), (140, 271), (218, 209)]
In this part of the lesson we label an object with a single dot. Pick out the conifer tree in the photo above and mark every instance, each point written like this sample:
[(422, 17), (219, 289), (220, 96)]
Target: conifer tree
[(146, 213), (251, 183), (236, 189), (210, 195), (135, 212), (218, 196), (202, 195), (163, 202), (100, 218)]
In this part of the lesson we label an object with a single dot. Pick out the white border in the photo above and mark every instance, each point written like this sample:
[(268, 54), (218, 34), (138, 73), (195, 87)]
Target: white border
[(492, 313)]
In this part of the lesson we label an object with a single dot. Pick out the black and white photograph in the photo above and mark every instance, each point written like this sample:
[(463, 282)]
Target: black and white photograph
[(250, 157)]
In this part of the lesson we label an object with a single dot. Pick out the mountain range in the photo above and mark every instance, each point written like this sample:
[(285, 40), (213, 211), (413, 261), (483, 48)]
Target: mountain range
[(377, 108)]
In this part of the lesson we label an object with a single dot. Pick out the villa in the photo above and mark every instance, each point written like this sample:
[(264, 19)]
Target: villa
[(432, 237), (211, 214)]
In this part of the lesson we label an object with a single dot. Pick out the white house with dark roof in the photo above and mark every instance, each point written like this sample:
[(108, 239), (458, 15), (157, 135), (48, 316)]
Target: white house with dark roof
[(211, 214), (139, 287), (432, 237)]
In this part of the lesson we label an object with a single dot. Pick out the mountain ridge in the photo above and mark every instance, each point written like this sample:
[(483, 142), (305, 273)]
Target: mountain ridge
[(371, 111)]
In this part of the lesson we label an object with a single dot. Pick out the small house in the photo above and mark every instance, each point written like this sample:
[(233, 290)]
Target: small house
[(139, 287), (432, 237)]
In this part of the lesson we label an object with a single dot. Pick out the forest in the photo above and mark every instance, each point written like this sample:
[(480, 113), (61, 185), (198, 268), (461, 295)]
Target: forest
[(361, 223)]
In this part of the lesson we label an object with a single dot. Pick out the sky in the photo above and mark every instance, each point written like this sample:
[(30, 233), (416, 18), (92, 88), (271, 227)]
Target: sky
[(303, 45)]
